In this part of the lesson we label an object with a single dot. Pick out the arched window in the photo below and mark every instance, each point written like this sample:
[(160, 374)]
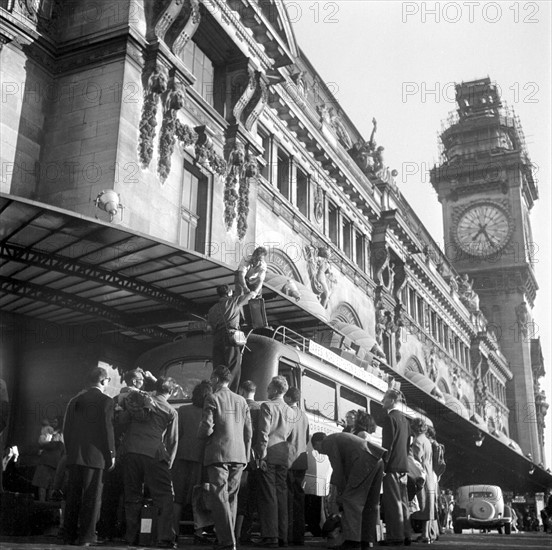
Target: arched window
[(346, 314), (279, 262), (443, 386), (413, 364)]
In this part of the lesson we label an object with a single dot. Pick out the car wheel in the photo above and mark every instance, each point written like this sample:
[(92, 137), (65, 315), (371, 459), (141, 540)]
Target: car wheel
[(457, 529), (508, 528)]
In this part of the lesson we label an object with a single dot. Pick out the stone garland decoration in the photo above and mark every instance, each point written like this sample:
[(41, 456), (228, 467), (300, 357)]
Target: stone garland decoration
[(167, 138), (157, 85), (249, 174), (236, 160), (186, 135)]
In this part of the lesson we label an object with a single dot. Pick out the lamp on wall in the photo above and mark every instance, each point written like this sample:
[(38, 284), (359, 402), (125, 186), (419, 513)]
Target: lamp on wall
[(109, 201), (479, 438), (532, 470)]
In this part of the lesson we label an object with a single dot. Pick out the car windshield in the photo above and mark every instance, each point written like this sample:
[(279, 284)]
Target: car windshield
[(481, 494)]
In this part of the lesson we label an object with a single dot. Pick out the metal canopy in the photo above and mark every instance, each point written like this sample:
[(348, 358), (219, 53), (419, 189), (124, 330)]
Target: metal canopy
[(493, 463), (65, 268)]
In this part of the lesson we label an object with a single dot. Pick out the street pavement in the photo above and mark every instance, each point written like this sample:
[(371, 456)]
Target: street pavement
[(485, 541)]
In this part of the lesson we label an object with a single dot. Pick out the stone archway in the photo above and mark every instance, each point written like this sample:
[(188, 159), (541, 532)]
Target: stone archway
[(414, 365), (443, 386), (346, 313), (279, 262), (465, 401)]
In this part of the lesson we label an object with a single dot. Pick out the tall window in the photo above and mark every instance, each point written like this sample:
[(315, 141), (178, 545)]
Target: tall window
[(333, 228), (412, 302), (202, 68), (265, 139), (359, 250), (283, 173), (193, 211), (420, 311), (347, 238), (302, 192)]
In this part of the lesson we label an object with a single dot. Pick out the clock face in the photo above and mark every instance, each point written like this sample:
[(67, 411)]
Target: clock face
[(483, 229)]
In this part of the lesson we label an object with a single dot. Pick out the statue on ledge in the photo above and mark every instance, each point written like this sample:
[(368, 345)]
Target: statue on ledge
[(466, 293), (367, 155)]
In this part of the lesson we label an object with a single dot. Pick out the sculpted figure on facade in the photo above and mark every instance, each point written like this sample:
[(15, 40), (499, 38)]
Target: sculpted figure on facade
[(466, 293), (522, 317), (340, 130), (320, 273), (318, 204), (453, 283), (455, 383), (380, 323), (324, 113), (301, 84), (431, 360), (290, 289)]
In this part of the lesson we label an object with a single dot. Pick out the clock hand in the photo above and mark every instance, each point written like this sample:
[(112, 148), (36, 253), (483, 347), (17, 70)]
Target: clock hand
[(489, 239), (481, 230)]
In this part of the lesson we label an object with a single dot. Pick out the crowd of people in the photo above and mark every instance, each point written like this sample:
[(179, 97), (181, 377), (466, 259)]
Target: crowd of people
[(231, 462), (199, 458), (237, 467)]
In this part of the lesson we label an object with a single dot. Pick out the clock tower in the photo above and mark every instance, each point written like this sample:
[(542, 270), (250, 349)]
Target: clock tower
[(486, 188)]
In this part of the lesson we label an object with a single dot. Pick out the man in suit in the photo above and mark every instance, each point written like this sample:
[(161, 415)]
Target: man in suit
[(357, 470), (396, 439), (90, 448), (223, 318), (226, 428), (149, 446), (297, 471), (247, 497), (273, 448)]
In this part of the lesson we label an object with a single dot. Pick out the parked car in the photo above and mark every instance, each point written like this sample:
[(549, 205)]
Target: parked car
[(482, 507)]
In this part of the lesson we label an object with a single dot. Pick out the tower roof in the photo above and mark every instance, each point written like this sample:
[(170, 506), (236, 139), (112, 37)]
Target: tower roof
[(478, 98)]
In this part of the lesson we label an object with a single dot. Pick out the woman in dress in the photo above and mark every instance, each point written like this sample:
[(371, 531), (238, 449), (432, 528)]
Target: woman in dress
[(51, 451), (422, 451)]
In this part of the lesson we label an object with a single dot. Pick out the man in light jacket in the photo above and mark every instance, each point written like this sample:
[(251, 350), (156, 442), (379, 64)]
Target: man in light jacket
[(275, 450), (226, 428)]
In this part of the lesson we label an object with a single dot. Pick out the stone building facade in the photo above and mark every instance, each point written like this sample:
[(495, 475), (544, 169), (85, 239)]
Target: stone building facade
[(207, 127)]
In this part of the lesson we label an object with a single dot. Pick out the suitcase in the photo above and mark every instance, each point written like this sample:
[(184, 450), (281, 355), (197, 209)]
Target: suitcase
[(148, 525)]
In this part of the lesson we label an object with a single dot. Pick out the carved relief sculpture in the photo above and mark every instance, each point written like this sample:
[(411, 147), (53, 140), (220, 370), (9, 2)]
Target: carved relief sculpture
[(320, 273), (318, 204), (189, 28), (290, 289), (157, 85), (257, 104), (431, 359), (338, 126), (522, 317), (246, 95), (455, 383)]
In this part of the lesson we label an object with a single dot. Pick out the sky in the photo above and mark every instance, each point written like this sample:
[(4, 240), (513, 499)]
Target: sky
[(398, 62)]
